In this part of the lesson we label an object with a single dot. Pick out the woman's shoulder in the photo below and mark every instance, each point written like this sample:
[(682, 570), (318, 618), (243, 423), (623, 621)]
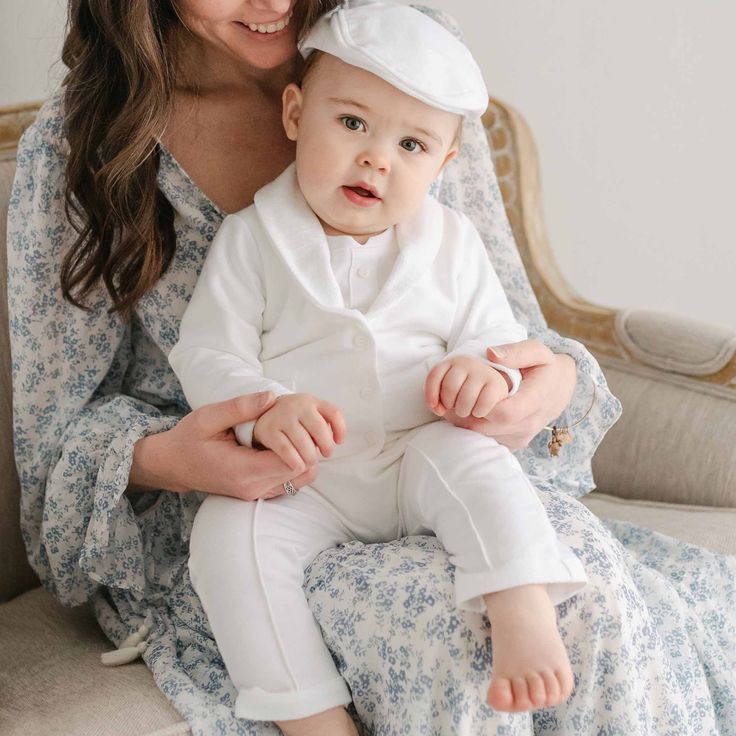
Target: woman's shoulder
[(47, 129)]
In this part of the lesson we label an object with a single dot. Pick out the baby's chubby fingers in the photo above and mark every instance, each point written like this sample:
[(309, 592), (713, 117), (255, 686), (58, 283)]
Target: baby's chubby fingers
[(333, 416), (490, 395), (432, 385), (320, 431), (303, 443), (279, 442), (468, 396), (452, 382)]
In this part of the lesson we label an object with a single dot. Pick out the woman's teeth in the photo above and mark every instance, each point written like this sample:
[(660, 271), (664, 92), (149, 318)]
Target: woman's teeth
[(270, 27)]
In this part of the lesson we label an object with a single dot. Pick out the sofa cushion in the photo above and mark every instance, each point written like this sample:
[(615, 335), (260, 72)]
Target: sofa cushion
[(53, 684), (675, 442)]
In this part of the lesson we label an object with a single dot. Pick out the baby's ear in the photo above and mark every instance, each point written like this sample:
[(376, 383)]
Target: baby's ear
[(291, 101), (450, 155)]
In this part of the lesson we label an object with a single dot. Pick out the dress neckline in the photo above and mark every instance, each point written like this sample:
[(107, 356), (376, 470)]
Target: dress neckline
[(195, 190)]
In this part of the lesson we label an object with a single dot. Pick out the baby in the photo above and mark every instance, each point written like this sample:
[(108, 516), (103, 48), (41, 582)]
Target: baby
[(366, 307)]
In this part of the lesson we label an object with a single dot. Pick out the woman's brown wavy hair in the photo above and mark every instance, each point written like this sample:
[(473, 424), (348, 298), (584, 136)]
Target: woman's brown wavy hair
[(118, 93)]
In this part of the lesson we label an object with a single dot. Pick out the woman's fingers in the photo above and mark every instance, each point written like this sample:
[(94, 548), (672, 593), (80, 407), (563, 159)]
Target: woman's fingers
[(222, 415), (307, 477), (514, 410), (272, 473), (524, 354)]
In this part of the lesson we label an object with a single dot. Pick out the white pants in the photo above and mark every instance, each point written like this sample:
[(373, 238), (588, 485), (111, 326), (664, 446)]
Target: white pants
[(247, 559)]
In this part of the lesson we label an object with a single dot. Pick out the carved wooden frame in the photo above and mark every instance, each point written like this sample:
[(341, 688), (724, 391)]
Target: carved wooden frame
[(517, 168)]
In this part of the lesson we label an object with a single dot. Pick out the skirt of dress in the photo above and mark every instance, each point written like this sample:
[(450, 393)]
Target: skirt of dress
[(651, 639)]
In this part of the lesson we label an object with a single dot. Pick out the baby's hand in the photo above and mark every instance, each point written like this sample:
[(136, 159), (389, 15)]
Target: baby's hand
[(297, 426), (466, 385)]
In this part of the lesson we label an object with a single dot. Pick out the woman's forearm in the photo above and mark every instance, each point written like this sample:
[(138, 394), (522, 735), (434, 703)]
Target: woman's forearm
[(148, 470)]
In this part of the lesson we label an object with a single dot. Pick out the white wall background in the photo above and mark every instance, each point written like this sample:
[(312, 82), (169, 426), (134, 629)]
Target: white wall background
[(633, 110)]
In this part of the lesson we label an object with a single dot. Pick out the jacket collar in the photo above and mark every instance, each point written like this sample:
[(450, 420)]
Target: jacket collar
[(298, 237), (300, 240)]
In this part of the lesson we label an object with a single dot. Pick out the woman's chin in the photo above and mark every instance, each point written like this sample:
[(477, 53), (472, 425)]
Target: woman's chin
[(263, 52)]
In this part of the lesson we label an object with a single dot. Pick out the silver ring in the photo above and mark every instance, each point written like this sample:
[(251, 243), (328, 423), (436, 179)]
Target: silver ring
[(289, 489)]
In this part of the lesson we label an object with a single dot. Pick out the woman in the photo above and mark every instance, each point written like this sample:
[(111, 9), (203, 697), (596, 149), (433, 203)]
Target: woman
[(169, 118)]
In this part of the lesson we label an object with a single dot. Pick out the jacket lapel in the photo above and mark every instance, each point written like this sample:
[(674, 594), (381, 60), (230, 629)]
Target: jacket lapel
[(298, 237), (419, 239)]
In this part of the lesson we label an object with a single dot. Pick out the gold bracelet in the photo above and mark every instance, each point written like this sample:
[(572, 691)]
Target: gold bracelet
[(561, 435)]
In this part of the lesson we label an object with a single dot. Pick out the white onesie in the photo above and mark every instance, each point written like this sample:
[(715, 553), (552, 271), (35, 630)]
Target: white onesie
[(280, 306)]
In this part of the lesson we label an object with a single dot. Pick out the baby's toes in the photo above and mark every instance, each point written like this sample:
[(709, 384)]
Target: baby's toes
[(552, 687), (500, 695), (565, 678), (537, 690), (520, 688)]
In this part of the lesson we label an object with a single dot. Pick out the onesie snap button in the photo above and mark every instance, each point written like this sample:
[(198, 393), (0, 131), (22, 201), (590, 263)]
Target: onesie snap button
[(371, 438), (366, 392), (360, 341), (364, 272)]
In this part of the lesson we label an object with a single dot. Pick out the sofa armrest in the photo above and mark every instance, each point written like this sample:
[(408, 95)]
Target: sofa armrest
[(676, 378), (676, 439)]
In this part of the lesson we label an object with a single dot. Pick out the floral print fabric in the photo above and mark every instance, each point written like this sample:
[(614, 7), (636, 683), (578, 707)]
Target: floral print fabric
[(651, 638)]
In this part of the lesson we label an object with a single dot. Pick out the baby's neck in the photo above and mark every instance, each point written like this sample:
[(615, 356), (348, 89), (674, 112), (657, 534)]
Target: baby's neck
[(361, 238)]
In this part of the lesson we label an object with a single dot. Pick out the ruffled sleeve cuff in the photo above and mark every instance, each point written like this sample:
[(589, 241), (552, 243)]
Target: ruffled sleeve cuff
[(571, 471), (112, 553)]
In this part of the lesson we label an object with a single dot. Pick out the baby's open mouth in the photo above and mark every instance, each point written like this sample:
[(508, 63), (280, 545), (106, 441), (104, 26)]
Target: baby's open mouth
[(361, 196), (362, 192)]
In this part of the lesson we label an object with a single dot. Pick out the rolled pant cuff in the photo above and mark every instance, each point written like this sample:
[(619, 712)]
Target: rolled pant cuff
[(262, 705), (564, 577)]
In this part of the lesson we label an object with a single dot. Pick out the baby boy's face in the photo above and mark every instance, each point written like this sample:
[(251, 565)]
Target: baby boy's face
[(366, 152)]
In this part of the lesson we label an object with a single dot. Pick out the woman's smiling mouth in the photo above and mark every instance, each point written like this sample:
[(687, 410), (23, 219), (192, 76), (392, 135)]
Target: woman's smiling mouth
[(270, 28)]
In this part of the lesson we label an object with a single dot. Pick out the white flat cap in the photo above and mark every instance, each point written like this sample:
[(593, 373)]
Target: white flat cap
[(406, 48)]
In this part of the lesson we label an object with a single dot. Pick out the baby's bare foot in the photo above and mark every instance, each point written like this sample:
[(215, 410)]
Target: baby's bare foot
[(530, 665)]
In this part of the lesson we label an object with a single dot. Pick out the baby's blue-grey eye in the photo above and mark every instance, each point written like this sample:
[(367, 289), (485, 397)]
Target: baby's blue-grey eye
[(352, 123), (409, 144)]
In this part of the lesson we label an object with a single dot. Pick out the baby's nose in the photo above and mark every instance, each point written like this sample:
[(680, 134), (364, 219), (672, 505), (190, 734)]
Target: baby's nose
[(375, 159)]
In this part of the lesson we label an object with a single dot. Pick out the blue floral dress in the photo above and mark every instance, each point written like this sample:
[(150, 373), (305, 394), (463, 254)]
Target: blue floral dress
[(652, 638)]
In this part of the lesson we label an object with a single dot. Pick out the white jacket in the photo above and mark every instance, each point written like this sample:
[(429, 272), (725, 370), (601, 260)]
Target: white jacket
[(267, 314)]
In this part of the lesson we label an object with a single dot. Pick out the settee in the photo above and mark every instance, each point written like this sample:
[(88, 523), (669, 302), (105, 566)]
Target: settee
[(669, 464)]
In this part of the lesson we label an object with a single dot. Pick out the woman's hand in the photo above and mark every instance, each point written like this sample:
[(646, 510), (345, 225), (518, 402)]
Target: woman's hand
[(201, 453), (548, 383)]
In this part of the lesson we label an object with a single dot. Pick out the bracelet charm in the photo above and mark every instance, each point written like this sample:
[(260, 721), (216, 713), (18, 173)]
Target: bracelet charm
[(560, 436)]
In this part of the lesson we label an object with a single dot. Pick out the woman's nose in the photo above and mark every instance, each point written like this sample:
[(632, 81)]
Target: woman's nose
[(277, 7)]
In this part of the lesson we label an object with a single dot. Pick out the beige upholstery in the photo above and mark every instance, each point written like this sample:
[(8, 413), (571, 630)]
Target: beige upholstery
[(52, 682), (15, 572), (707, 526), (678, 438), (675, 344), (677, 435)]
